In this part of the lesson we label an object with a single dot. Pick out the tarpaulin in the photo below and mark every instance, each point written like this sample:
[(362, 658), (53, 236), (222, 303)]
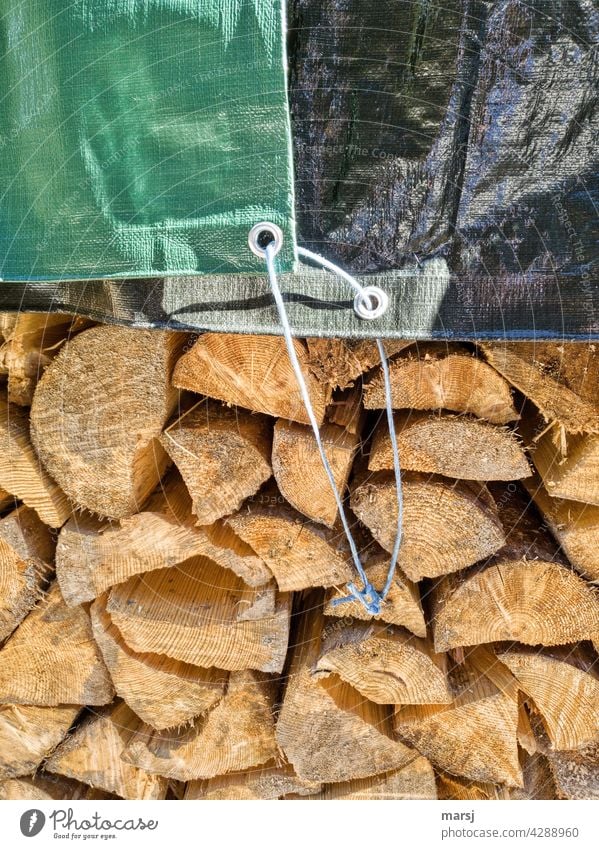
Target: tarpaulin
[(141, 137), (446, 152)]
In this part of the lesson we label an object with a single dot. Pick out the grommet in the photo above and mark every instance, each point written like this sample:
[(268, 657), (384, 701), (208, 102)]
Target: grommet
[(262, 234), (371, 302)]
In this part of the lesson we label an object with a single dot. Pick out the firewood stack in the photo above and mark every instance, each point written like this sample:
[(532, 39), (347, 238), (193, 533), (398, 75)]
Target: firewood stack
[(170, 552)]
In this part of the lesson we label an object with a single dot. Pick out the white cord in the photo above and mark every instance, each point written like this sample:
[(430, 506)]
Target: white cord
[(367, 304)]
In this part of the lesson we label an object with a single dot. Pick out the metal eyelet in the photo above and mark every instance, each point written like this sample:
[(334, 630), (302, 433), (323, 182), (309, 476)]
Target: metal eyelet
[(371, 303), (263, 234)]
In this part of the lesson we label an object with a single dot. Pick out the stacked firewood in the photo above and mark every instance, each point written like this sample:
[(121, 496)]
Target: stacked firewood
[(171, 551)]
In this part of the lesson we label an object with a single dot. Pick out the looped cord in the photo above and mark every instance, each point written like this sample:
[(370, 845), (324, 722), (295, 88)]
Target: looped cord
[(371, 300)]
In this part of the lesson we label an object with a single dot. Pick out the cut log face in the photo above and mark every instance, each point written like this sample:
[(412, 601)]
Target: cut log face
[(236, 735), (98, 412), (161, 691), (204, 615), (299, 471), (401, 607), (567, 697), (26, 556), (52, 659), (339, 362), (223, 455), (447, 526), (440, 380), (561, 380), (574, 525), (22, 474), (28, 734), (534, 602), (30, 344), (387, 665), (267, 782), (416, 780), (475, 736), (252, 372), (454, 446), (91, 557), (327, 730), (298, 553), (92, 754)]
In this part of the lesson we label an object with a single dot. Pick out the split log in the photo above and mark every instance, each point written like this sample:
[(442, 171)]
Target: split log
[(28, 734), (454, 446), (267, 782), (401, 607), (387, 665), (52, 659), (298, 552), (161, 691), (204, 615), (45, 787), (98, 412), (22, 474), (561, 380), (30, 345), (565, 691), (476, 735), (537, 777), (327, 730), (300, 474), (92, 754), (446, 525), (26, 556), (526, 593), (340, 362), (567, 463), (252, 372), (416, 780), (236, 735), (576, 773), (574, 525), (223, 455), (346, 410), (91, 556), (437, 378)]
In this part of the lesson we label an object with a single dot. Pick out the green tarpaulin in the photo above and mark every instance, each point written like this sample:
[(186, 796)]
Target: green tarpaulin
[(141, 137)]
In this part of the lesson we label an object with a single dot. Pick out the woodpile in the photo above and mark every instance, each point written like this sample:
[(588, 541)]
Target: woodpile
[(172, 562)]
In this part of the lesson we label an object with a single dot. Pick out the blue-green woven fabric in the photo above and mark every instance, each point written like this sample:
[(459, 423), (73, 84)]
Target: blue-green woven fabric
[(141, 138)]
